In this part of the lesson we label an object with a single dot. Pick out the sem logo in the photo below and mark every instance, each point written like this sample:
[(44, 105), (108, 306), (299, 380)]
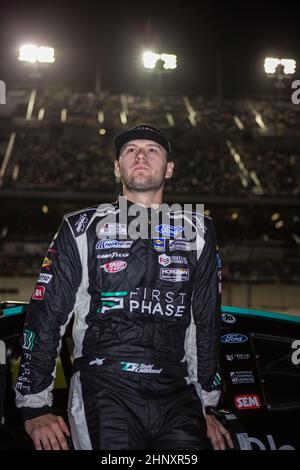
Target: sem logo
[(2, 92), (247, 402)]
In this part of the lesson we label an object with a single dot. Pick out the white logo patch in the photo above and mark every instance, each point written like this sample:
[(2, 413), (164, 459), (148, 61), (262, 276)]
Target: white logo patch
[(114, 266), (45, 278), (174, 274)]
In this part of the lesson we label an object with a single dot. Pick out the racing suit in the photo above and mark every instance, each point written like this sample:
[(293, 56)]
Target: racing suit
[(146, 330)]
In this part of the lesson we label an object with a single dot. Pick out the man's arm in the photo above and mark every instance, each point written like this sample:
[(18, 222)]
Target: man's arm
[(50, 309), (206, 307)]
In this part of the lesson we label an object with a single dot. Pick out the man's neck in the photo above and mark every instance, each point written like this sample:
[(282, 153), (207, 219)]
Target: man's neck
[(147, 199)]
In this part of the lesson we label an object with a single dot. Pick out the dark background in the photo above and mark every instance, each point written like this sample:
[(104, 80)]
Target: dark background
[(109, 37)]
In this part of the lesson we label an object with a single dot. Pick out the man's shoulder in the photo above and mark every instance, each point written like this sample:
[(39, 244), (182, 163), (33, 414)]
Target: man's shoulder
[(194, 216), (80, 220)]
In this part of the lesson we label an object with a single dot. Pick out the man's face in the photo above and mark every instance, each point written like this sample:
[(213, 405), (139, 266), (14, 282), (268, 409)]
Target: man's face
[(143, 165)]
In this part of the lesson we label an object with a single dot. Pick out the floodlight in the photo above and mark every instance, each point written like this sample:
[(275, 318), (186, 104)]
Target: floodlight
[(289, 66), (271, 64), (170, 61), (150, 60), (32, 53)]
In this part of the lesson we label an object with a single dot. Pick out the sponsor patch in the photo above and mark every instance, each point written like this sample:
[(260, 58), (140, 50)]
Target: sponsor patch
[(139, 368), (179, 244), (147, 301), (242, 377), (111, 301), (114, 266), (247, 402), (227, 318), (239, 357), (169, 230), (45, 278), (159, 244), (174, 274), (109, 244), (97, 361), (46, 263), (112, 229), (38, 293), (28, 339), (234, 338), (165, 260), (113, 255), (81, 223)]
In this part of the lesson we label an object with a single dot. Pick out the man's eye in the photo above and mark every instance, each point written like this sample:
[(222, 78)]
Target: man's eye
[(153, 150)]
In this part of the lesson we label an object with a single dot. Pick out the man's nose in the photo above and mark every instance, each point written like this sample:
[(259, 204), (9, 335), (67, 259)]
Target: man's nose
[(141, 154)]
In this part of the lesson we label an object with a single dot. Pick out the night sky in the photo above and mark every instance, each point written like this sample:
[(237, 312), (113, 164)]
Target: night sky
[(111, 36)]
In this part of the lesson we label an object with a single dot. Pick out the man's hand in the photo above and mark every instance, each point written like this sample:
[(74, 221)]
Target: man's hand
[(48, 432), (216, 431)]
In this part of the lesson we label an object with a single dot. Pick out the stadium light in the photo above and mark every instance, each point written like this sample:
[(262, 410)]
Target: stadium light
[(32, 53), (271, 64), (150, 60), (169, 60)]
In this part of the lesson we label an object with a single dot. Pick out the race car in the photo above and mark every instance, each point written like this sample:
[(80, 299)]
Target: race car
[(259, 365)]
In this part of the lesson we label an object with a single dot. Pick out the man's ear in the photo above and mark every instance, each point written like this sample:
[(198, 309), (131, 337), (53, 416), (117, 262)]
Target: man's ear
[(117, 169), (169, 170)]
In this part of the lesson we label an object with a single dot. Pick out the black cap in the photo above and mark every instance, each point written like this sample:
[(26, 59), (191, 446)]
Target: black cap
[(142, 131)]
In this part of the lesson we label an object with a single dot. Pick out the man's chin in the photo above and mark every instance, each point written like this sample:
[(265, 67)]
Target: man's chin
[(143, 186)]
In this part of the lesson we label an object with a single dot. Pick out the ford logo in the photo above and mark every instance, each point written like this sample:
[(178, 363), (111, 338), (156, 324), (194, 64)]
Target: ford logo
[(234, 338), (169, 230)]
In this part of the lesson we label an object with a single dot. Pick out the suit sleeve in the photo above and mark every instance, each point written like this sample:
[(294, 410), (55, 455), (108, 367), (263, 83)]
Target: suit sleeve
[(206, 308), (49, 311)]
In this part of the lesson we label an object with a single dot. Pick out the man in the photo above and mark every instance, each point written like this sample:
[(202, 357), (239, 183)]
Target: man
[(146, 320)]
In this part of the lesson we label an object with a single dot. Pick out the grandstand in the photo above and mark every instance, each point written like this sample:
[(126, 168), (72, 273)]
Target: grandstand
[(238, 156)]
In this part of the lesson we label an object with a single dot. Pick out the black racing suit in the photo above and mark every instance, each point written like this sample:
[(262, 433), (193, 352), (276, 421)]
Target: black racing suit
[(146, 329)]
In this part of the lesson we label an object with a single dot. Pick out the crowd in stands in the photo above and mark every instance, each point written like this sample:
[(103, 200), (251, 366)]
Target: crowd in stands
[(62, 165), (276, 115), (226, 163), (207, 168), (277, 169), (222, 147)]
